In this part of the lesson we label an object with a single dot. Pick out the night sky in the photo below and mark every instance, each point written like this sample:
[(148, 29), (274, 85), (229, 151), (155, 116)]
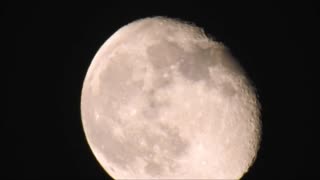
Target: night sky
[(50, 47)]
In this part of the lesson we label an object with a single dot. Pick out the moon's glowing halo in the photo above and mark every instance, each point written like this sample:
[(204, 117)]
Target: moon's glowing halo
[(161, 100)]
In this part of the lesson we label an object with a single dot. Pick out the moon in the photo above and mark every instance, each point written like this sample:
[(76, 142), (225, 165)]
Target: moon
[(161, 100)]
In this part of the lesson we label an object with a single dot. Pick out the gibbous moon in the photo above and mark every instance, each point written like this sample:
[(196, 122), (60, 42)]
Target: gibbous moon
[(161, 100)]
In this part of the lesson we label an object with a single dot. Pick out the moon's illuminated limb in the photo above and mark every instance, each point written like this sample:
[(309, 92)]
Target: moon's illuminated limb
[(162, 101)]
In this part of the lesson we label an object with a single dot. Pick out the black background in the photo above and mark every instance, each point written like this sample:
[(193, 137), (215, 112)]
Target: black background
[(50, 47)]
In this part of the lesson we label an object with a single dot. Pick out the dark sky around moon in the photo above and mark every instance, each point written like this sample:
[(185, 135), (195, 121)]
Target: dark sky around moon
[(50, 47)]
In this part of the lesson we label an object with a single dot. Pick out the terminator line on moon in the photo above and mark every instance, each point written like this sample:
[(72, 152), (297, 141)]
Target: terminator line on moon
[(161, 100)]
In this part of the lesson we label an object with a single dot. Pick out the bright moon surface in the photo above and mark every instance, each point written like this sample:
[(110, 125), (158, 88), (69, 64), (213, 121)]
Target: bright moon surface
[(161, 100)]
